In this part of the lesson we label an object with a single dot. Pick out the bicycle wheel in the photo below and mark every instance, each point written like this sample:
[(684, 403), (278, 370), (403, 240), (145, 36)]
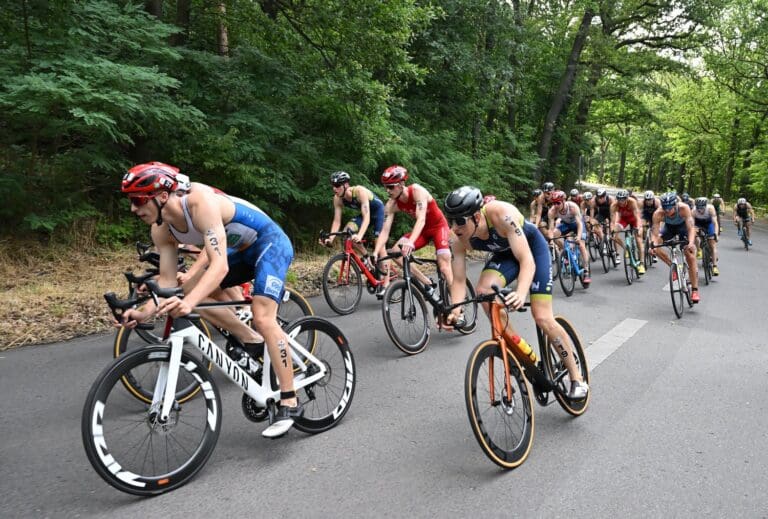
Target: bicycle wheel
[(553, 251), (123, 438), (327, 400), (687, 286), (293, 306), (605, 251), (567, 273), (675, 289), (629, 270), (127, 341), (648, 258), (342, 284), (594, 248), (555, 367), (405, 317), (503, 423), (706, 264)]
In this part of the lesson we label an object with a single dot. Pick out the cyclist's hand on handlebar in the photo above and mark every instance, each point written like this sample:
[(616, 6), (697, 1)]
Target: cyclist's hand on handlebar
[(514, 301), (406, 246), (357, 238), (131, 318), (175, 307), (690, 247)]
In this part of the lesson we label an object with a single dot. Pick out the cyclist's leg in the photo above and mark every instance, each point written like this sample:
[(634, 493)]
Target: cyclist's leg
[(690, 258), (501, 269), (440, 238), (667, 232), (712, 236), (418, 244), (541, 308)]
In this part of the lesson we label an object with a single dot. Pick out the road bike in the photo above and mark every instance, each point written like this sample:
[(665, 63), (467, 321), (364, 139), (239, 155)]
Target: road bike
[(648, 258), (679, 284), (741, 230), (343, 276), (607, 248), (593, 244), (571, 265), (707, 263), (404, 307), (502, 377), (554, 256), (148, 448), (631, 256)]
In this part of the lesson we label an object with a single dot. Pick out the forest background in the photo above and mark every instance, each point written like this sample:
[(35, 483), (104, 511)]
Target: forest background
[(265, 98)]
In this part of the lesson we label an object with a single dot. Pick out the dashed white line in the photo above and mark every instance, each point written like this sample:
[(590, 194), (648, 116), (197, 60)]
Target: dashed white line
[(603, 347)]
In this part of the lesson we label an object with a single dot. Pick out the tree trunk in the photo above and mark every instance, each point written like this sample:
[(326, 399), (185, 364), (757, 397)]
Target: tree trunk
[(223, 33), (154, 7), (183, 11), (661, 179), (582, 116), (756, 132), (704, 180), (622, 168), (731, 158), (564, 90), (680, 179)]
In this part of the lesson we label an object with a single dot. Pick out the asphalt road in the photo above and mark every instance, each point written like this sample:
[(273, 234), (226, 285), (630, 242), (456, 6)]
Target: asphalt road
[(677, 427)]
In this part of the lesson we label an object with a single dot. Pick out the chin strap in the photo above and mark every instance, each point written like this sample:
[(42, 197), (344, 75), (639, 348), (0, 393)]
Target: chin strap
[(159, 220)]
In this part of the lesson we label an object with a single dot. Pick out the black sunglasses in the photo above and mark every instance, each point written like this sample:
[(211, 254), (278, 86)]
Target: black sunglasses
[(459, 221), (337, 184)]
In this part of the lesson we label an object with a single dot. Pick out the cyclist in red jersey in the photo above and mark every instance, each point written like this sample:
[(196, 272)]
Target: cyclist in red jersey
[(430, 223), (625, 214)]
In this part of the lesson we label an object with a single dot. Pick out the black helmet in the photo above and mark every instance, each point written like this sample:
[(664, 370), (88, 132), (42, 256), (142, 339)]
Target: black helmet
[(339, 177), (622, 194), (465, 201), (668, 200), (536, 192), (601, 192), (685, 197), (547, 187), (701, 202)]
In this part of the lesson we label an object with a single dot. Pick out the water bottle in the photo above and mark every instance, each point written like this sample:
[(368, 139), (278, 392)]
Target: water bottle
[(522, 346), (432, 293)]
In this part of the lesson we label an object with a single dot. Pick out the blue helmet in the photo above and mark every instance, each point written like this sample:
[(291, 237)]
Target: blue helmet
[(669, 200)]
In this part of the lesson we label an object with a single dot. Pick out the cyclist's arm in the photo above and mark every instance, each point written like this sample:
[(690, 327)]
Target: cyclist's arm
[(459, 268), (200, 263), (751, 211), (336, 224), (420, 200), (506, 220), (656, 219), (579, 222), (638, 215), (614, 215), (390, 208), (365, 210), (551, 220), (539, 212), (691, 230)]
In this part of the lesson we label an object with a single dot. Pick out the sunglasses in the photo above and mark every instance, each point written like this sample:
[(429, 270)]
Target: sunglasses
[(140, 200), (390, 187), (458, 221), (337, 184)]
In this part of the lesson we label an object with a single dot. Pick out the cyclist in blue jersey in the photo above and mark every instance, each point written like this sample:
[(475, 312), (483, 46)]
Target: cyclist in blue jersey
[(705, 218), (519, 252), (241, 244), (359, 198), (672, 219)]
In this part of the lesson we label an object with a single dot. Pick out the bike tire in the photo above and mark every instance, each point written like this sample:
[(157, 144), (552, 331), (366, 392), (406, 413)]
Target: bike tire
[(675, 290), (293, 306), (118, 430), (629, 270), (502, 424), (127, 341), (706, 264), (567, 274), (342, 284), (555, 368), (605, 251), (648, 258), (594, 249), (405, 317), (326, 401), (553, 251), (687, 284)]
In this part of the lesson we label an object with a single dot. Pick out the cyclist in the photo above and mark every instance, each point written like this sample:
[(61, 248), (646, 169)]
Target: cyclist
[(519, 252), (649, 206), (542, 216), (672, 219), (535, 204), (241, 243), (575, 197), (717, 203), (430, 223), (704, 218), (687, 200), (601, 212), (625, 214), (358, 198), (744, 214), (568, 217)]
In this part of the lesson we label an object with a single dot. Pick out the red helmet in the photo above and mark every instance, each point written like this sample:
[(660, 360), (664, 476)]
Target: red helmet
[(150, 177), (393, 175), (556, 197)]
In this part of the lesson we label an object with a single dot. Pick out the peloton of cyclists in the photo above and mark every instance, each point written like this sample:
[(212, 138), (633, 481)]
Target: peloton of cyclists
[(567, 215), (672, 219), (705, 218), (744, 214), (359, 198), (625, 215), (430, 223), (519, 252)]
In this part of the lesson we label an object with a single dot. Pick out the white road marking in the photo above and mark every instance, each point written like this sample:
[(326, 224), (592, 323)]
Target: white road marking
[(603, 347)]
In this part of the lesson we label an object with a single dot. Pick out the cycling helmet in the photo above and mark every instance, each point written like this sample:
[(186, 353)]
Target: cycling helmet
[(464, 201), (622, 194), (339, 177), (574, 192), (547, 187), (669, 200), (685, 197), (588, 195), (149, 178), (557, 197), (716, 195), (649, 195), (601, 192), (394, 175), (701, 202), (741, 201), (536, 192)]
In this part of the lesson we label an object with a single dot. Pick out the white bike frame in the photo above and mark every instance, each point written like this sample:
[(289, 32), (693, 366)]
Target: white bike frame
[(165, 387)]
